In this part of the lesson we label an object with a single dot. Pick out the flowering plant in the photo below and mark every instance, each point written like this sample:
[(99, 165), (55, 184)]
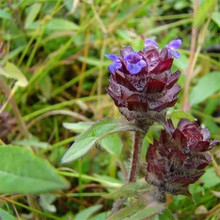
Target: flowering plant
[(143, 87)]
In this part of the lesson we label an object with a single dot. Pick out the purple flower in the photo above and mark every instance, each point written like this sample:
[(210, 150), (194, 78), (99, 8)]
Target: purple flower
[(179, 157), (134, 63), (144, 86), (116, 65), (149, 42), (172, 46)]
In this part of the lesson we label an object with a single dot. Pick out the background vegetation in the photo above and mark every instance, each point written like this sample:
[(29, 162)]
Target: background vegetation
[(54, 70)]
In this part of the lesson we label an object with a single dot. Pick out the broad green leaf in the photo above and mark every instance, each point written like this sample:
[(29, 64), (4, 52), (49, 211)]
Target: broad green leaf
[(181, 63), (5, 15), (78, 127), (101, 216), (5, 215), (206, 86), (166, 215), (32, 14), (205, 9), (87, 213), (216, 17), (61, 24), (144, 213), (129, 210), (112, 144), (178, 114), (137, 210), (23, 172), (210, 178), (55, 24), (91, 136), (12, 71), (129, 190)]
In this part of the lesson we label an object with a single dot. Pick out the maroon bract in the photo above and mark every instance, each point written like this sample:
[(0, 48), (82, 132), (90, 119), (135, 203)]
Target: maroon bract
[(141, 84), (179, 157)]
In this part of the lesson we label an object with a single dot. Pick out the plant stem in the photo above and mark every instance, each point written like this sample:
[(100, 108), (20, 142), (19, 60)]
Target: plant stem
[(6, 90), (189, 71), (136, 154)]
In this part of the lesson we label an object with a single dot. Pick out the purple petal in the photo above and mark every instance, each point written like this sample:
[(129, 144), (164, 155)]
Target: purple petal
[(174, 44), (149, 42), (133, 68), (142, 63), (126, 50), (132, 58), (114, 66), (112, 57), (205, 133), (176, 54)]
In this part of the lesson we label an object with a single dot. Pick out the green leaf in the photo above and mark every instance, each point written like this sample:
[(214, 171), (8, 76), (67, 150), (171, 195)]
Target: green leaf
[(78, 127), (12, 71), (206, 8), (87, 213), (210, 178), (137, 210), (5, 15), (216, 18), (5, 215), (61, 24), (101, 216), (166, 215), (129, 210), (129, 190), (23, 172), (206, 86), (55, 24), (181, 63), (91, 136), (178, 114), (112, 144), (33, 142), (32, 14), (144, 213)]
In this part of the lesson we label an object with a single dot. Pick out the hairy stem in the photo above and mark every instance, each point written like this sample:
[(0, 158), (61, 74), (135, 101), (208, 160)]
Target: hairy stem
[(136, 154)]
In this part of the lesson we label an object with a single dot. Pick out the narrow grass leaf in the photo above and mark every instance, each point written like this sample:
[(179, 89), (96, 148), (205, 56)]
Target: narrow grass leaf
[(206, 86), (23, 172), (205, 9)]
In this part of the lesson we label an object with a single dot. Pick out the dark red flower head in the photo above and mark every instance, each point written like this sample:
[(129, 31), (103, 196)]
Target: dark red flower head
[(179, 157), (141, 83)]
